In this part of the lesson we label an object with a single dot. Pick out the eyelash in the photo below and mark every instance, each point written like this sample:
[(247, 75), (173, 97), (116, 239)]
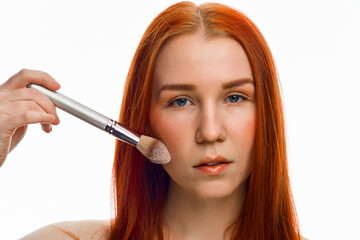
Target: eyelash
[(173, 101), (239, 95)]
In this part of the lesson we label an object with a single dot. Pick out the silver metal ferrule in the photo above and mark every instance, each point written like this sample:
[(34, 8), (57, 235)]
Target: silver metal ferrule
[(121, 132)]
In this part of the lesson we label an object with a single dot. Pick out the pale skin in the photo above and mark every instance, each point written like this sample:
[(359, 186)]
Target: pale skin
[(214, 114)]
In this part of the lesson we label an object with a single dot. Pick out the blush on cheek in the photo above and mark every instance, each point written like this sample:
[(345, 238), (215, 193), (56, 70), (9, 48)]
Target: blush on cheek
[(244, 129), (172, 136), (167, 130), (250, 134), (250, 125), (242, 134), (156, 120)]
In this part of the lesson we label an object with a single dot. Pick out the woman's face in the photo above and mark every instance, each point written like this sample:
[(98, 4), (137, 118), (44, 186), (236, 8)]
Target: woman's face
[(203, 109)]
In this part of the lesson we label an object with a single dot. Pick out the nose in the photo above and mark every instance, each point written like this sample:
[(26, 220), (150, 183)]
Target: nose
[(210, 126)]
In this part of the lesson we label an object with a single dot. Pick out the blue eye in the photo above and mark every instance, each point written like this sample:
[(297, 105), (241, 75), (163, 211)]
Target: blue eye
[(180, 102), (235, 98)]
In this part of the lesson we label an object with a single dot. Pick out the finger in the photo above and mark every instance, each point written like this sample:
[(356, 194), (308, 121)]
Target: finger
[(23, 106), (8, 123), (46, 127), (19, 106), (32, 96), (25, 77)]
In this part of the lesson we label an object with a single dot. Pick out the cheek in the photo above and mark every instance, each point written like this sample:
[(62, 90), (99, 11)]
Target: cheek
[(242, 132), (170, 129), (248, 128), (174, 131)]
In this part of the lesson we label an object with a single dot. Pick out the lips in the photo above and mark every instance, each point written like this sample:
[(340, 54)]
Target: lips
[(209, 161), (212, 166)]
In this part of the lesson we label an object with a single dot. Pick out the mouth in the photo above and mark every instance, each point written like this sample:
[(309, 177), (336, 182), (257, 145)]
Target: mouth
[(212, 166), (208, 161)]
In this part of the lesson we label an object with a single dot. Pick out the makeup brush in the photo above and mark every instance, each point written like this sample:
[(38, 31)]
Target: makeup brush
[(151, 148)]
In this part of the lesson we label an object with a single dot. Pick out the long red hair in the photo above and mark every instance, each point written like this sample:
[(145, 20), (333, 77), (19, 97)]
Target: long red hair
[(139, 187)]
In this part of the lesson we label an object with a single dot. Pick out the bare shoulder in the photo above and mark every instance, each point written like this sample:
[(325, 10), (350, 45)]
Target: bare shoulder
[(86, 229)]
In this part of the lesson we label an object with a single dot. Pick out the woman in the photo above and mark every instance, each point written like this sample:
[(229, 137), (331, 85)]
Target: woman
[(204, 82)]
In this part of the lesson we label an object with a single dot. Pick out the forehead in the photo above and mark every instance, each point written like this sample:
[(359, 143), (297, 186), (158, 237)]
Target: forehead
[(192, 59)]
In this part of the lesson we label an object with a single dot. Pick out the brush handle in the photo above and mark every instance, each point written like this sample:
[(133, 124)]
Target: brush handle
[(88, 115)]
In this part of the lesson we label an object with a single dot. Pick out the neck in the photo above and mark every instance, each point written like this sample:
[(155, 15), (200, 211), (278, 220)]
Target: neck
[(189, 217)]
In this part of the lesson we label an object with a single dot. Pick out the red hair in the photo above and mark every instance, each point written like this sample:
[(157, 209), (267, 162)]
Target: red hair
[(139, 187)]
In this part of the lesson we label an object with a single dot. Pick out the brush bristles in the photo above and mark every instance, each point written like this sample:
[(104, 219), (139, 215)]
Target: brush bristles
[(154, 150)]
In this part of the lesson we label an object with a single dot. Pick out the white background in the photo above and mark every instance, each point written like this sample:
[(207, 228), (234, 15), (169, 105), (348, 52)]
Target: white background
[(88, 46)]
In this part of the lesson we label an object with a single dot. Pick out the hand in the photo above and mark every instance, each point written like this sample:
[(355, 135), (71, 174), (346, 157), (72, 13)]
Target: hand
[(20, 106)]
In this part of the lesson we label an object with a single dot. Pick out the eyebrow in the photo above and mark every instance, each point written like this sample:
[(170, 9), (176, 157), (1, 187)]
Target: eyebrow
[(191, 87), (177, 87), (237, 83)]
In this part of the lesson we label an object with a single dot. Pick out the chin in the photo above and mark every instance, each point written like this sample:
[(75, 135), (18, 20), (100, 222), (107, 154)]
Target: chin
[(215, 190)]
